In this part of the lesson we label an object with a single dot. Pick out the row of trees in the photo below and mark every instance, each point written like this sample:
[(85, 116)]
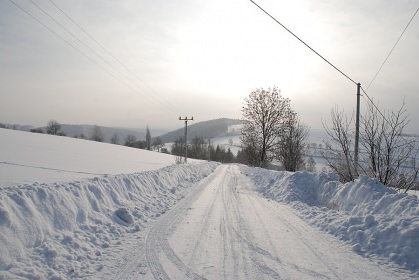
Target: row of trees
[(272, 132), (54, 128), (148, 144), (386, 152), (96, 134), (200, 149)]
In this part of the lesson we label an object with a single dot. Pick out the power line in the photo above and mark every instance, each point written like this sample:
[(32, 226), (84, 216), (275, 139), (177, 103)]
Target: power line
[(385, 60), (387, 121), (186, 135), (101, 57), (373, 104), (304, 43), (357, 84), (78, 50), (56, 34), (123, 65)]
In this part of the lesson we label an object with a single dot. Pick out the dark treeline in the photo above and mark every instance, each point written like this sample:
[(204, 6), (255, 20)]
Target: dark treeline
[(198, 148)]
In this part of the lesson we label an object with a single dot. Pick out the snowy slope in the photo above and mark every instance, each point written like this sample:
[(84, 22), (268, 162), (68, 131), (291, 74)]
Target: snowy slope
[(30, 157)]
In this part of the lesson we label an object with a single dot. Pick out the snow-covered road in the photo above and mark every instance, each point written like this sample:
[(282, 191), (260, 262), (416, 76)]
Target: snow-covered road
[(73, 209), (224, 230)]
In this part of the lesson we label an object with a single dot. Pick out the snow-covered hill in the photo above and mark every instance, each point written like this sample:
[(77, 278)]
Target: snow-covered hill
[(30, 157), (68, 206)]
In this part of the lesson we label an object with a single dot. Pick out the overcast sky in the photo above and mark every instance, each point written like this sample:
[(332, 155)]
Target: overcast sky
[(165, 59)]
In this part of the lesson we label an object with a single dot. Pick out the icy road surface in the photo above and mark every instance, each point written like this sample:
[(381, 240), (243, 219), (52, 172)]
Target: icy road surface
[(225, 230)]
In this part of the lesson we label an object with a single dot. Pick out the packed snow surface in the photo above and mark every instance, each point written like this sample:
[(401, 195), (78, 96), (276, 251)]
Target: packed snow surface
[(71, 215)]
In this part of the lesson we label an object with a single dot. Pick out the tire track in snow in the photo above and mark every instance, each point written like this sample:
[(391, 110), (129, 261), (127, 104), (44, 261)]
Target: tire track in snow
[(205, 226), (263, 267), (236, 224), (246, 234), (156, 238), (307, 244), (257, 239)]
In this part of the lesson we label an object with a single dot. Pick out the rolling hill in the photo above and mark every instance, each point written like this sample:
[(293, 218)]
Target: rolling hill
[(211, 128)]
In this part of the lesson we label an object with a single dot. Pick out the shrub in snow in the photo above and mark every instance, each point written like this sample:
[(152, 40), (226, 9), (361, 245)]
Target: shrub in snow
[(124, 215)]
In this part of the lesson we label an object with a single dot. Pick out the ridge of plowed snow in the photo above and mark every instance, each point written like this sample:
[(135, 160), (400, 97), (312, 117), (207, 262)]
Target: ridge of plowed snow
[(59, 230), (375, 219)]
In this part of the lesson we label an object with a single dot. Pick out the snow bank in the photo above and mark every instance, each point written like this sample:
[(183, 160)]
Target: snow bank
[(59, 230), (376, 220)]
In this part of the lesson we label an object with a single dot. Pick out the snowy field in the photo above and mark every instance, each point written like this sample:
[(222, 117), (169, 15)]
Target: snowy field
[(72, 208), (31, 157)]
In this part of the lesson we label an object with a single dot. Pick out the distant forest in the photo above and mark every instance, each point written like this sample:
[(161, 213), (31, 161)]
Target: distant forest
[(205, 129)]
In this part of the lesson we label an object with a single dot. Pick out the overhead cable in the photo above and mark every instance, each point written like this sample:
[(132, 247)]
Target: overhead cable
[(373, 104), (84, 44), (304, 43), (79, 51), (385, 60), (100, 45)]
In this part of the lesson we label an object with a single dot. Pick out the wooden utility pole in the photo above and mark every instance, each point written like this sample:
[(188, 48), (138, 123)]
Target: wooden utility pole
[(358, 94), (186, 135)]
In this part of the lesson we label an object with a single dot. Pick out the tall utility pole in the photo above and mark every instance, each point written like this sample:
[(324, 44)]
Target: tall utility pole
[(186, 135), (358, 84), (358, 94)]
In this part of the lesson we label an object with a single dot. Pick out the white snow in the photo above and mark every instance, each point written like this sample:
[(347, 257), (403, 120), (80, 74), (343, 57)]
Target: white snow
[(376, 220), (72, 208), (31, 157)]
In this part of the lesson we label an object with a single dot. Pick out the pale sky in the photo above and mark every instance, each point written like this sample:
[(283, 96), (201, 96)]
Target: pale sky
[(201, 58)]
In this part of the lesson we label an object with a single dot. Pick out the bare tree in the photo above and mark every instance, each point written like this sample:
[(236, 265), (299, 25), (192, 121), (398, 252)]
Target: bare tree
[(264, 114), (130, 140), (387, 153), (198, 148), (250, 147), (291, 143), (97, 134), (178, 148), (338, 152), (115, 139), (388, 150), (53, 127), (158, 143)]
